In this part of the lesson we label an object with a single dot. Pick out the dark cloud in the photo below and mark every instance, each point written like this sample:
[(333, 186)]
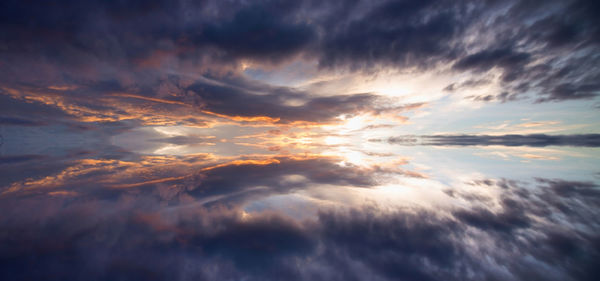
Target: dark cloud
[(106, 240), (399, 246), (471, 83), (15, 112), (259, 32), (197, 224), (273, 102), (105, 176), (485, 60), (561, 244), (397, 33), (311, 172), (537, 140), (140, 42), (550, 38), (502, 97), (572, 91), (504, 222), (172, 100), (19, 158), (19, 122), (567, 189), (75, 34)]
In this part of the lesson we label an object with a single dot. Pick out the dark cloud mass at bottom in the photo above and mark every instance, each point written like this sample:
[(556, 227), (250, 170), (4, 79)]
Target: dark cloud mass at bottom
[(163, 232)]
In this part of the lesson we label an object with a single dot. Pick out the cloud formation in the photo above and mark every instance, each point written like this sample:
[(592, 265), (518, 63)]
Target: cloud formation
[(310, 200), (163, 50), (536, 140), (137, 240)]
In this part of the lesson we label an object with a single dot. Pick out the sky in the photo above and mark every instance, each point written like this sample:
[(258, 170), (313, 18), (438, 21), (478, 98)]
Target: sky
[(299, 140)]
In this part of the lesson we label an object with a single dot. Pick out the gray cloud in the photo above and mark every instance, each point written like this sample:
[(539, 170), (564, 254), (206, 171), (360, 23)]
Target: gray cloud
[(536, 140), (544, 47), (141, 242)]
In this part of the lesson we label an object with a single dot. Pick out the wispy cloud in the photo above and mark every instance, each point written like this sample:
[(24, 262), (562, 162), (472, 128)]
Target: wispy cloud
[(539, 140)]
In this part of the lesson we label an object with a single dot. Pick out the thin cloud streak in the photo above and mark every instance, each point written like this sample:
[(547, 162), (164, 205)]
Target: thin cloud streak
[(537, 140)]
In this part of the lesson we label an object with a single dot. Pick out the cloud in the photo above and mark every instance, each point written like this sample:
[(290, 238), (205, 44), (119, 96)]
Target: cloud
[(544, 49), (233, 101), (487, 59), (75, 73), (203, 102), (18, 122), (569, 189), (536, 140), (484, 219), (259, 32), (165, 230), (19, 158), (397, 33), (107, 239), (218, 179)]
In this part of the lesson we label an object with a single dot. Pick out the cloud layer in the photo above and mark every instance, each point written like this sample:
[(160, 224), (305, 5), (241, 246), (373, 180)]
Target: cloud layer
[(537, 140), (201, 226), (193, 53)]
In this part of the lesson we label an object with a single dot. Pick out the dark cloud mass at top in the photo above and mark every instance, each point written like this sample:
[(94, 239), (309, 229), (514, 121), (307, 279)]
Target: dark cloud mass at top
[(545, 48)]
